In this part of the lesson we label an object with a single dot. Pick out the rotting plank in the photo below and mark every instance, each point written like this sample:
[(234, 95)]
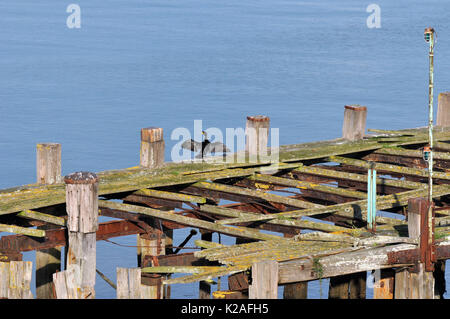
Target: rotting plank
[(171, 196), (233, 231), (337, 175), (389, 167), (30, 214), (237, 215), (308, 185), (255, 194), (358, 209)]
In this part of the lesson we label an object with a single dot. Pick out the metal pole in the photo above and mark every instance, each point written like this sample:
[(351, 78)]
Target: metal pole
[(369, 198), (430, 33), (374, 199)]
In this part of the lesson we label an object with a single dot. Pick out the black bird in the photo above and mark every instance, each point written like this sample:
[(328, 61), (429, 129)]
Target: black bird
[(205, 147)]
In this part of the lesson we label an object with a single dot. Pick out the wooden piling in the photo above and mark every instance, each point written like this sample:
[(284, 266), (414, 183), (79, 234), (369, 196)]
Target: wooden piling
[(415, 283), (443, 111), (152, 244), (264, 283), (82, 211), (204, 286), (48, 261), (152, 156), (257, 133), (152, 147), (354, 127), (351, 286), (128, 283)]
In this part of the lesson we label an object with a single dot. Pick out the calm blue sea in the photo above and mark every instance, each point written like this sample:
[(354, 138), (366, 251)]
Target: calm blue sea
[(165, 63)]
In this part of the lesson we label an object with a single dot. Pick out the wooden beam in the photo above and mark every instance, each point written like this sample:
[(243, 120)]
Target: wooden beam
[(232, 231), (255, 194)]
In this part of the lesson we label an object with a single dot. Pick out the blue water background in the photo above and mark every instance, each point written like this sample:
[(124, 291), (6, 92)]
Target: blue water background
[(164, 63)]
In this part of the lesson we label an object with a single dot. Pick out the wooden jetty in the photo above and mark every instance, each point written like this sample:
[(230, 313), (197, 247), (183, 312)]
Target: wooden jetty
[(301, 218)]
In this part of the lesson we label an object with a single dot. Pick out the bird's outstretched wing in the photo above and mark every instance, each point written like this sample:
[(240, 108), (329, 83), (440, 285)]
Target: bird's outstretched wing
[(192, 145), (216, 147)]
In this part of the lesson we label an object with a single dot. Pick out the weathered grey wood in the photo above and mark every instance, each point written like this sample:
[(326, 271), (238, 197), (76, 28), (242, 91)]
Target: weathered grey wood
[(82, 211), (264, 280), (128, 283), (443, 111), (152, 147), (4, 279), (339, 264), (48, 163), (48, 261), (20, 280), (354, 127), (66, 283), (82, 202), (257, 132)]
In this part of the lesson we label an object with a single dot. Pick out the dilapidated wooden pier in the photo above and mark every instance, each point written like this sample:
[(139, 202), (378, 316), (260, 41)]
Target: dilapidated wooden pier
[(301, 218)]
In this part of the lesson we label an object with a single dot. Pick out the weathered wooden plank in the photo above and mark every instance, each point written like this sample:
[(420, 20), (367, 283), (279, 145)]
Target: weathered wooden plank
[(22, 230), (34, 215), (233, 231), (255, 194), (358, 209), (337, 175), (179, 269), (389, 167), (240, 215), (171, 196), (307, 185)]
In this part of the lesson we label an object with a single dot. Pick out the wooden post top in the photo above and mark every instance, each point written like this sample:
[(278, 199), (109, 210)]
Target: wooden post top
[(81, 178), (151, 134), (356, 107), (48, 145), (258, 118)]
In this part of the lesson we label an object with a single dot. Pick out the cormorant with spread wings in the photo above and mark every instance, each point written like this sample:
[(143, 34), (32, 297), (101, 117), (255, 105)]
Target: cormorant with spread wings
[(205, 147)]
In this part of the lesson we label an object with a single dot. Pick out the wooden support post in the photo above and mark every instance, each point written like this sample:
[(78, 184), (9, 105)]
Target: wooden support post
[(15, 280), (152, 147), (152, 244), (48, 261), (257, 132), (152, 156), (357, 285), (351, 286), (128, 283), (205, 287), (82, 224), (354, 127), (415, 283), (298, 290), (443, 112), (384, 285), (338, 287), (264, 280)]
